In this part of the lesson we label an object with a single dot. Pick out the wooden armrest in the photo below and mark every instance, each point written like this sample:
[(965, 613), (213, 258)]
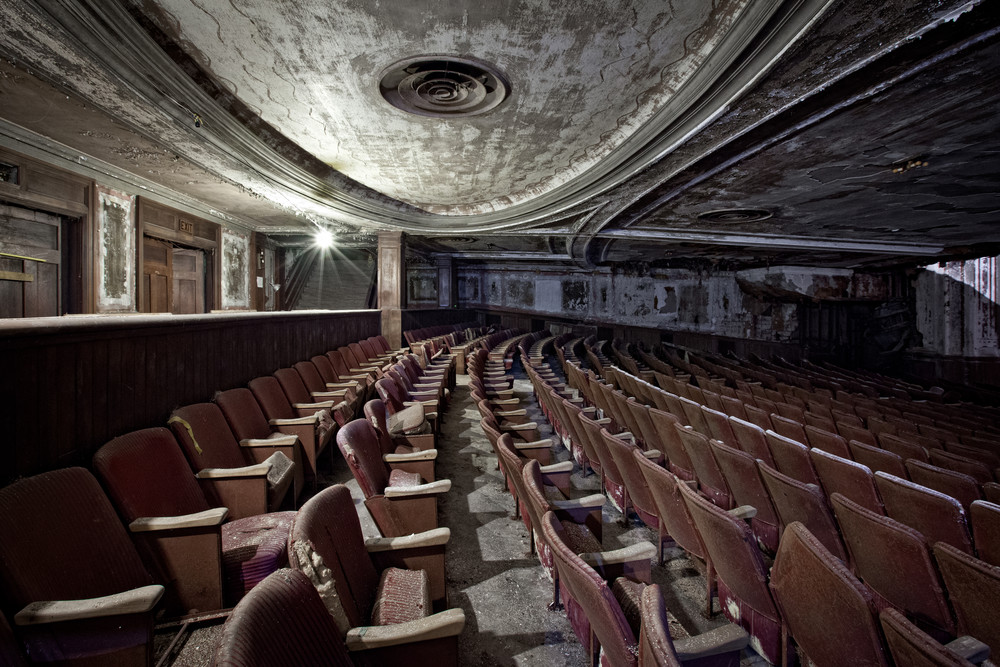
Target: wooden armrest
[(625, 435), (537, 444), (633, 552), (592, 501), (565, 466), (728, 638), (321, 396), (276, 440), (257, 470), (426, 404), (136, 601), (603, 420), (354, 377), (529, 426), (428, 538), (506, 401), (652, 454), (447, 623), (365, 369), (425, 455), (311, 419), (322, 405), (211, 517), (745, 512), (342, 385), (511, 413), (438, 487)]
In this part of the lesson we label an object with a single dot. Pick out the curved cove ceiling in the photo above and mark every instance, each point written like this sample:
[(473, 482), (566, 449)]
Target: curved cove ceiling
[(584, 77)]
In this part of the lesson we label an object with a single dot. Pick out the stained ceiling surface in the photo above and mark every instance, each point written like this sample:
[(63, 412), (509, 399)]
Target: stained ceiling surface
[(862, 133)]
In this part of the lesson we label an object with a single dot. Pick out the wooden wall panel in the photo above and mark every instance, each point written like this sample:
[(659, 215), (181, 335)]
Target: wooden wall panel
[(73, 384)]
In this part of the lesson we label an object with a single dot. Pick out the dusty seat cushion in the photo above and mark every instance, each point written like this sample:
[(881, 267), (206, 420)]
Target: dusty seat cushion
[(403, 478), (402, 595), (629, 595), (253, 548), (579, 539)]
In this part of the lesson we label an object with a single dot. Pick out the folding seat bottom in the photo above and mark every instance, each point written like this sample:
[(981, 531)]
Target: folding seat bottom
[(253, 548), (402, 596), (402, 478)]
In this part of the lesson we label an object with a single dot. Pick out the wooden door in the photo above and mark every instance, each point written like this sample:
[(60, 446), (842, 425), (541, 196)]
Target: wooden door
[(157, 278), (30, 260), (188, 281)]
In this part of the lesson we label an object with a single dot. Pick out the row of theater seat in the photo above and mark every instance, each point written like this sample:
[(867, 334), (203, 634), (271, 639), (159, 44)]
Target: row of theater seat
[(566, 532), (197, 501), (728, 475)]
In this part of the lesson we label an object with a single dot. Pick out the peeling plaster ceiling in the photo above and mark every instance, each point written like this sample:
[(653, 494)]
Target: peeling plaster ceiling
[(624, 123)]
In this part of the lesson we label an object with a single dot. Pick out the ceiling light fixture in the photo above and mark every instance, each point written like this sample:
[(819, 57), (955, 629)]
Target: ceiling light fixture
[(323, 238), (443, 86)]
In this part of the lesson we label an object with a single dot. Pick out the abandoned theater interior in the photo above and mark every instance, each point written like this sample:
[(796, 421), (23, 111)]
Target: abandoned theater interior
[(370, 332)]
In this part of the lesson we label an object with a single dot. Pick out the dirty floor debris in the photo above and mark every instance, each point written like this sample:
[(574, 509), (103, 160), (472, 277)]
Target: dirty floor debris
[(491, 574)]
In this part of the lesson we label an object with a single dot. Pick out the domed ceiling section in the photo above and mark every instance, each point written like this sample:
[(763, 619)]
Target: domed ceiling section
[(582, 78)]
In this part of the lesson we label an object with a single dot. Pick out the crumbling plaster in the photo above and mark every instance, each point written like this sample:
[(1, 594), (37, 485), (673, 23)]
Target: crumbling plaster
[(669, 299)]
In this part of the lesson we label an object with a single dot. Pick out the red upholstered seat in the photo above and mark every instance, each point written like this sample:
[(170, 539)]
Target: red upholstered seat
[(281, 622), (400, 499), (313, 430), (60, 539), (367, 585), (146, 476)]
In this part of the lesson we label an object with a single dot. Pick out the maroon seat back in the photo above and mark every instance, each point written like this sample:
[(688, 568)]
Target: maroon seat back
[(751, 439), (310, 376), (325, 368), (271, 398), (61, 517), (670, 443), (710, 479), (895, 562), (903, 446), (60, 539), (805, 503), (937, 516), (909, 645), (376, 414), (358, 442), (359, 355), (607, 622), (734, 407), (959, 486), (758, 417), (340, 364), (391, 394), (656, 648), (293, 386), (740, 470), (827, 441), (855, 432), (851, 479), (146, 475), (789, 428), (327, 527), (791, 457), (963, 464), (367, 349), (973, 588), (243, 413), (828, 612), (877, 460), (205, 437), (718, 424), (635, 483), (743, 592), (282, 621), (984, 517)]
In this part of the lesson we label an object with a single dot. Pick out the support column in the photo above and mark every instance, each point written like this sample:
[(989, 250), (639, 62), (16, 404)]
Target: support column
[(391, 274), (447, 285)]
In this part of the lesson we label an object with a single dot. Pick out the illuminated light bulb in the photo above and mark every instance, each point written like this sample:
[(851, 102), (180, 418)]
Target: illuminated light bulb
[(324, 238)]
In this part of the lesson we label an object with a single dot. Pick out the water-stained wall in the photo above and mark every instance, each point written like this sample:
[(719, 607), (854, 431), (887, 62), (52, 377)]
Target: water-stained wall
[(669, 299), (957, 308), (235, 270)]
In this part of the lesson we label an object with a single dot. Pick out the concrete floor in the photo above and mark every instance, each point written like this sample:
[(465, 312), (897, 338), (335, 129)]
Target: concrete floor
[(502, 588)]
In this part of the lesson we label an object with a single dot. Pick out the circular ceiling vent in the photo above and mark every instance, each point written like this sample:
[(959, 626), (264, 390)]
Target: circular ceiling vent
[(443, 86), (735, 215)]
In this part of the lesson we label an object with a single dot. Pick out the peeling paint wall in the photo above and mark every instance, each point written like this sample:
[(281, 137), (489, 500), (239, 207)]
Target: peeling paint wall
[(115, 249), (422, 288), (235, 270), (669, 299), (957, 308)]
